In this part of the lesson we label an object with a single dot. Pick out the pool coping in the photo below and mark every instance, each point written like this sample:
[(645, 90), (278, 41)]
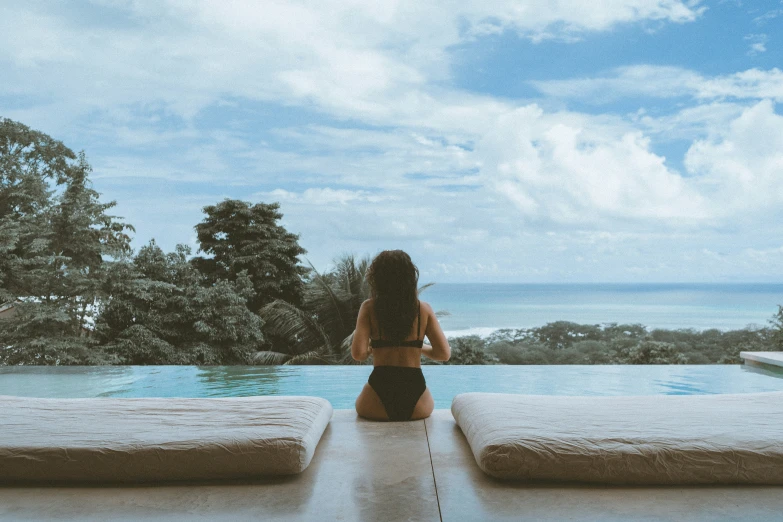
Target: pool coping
[(767, 358)]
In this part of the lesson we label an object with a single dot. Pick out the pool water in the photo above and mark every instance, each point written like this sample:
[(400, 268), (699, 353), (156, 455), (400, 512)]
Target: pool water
[(341, 384)]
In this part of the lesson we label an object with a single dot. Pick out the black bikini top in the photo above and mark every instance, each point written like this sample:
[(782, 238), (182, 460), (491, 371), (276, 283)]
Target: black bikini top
[(413, 343)]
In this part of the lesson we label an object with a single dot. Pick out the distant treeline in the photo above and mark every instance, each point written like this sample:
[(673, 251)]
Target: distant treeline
[(570, 343), (73, 292)]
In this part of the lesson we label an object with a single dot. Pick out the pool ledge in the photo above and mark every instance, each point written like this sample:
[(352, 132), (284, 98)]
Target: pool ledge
[(768, 358), (420, 470)]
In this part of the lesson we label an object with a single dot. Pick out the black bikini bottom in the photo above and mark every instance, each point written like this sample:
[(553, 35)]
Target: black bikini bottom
[(399, 388)]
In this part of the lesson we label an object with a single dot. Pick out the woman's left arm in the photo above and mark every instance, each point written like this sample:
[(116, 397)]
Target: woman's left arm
[(360, 347)]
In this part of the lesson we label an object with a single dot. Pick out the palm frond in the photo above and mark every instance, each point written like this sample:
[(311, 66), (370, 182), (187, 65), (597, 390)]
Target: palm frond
[(345, 345), (345, 352), (325, 285), (422, 288), (297, 327), (307, 357), (270, 358)]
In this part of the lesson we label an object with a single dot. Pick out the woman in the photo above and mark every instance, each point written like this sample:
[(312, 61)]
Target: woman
[(391, 326)]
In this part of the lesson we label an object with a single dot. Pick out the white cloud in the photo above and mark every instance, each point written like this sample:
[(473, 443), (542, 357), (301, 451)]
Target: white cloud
[(689, 123), (468, 181), (757, 43), (566, 168), (348, 57), (753, 83), (665, 82), (768, 16), (325, 196), (739, 166)]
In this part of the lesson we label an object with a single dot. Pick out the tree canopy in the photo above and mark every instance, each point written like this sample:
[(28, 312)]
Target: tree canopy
[(243, 237), (54, 234), (159, 312)]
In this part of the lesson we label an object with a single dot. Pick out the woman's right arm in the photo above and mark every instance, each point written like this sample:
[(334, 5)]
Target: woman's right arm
[(438, 349), (360, 347)]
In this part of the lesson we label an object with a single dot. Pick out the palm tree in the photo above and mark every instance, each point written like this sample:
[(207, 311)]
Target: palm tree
[(315, 333), (321, 331)]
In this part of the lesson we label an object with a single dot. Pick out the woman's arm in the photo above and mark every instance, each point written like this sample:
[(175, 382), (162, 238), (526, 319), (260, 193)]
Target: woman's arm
[(360, 347), (438, 349)]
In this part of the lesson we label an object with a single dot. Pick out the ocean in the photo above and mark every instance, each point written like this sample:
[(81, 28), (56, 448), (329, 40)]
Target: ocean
[(482, 308)]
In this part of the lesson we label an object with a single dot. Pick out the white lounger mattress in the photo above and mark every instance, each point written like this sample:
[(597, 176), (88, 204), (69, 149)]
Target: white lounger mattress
[(154, 439), (696, 439)]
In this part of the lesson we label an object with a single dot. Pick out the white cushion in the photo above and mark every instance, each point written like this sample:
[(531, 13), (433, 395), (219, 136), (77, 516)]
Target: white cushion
[(152, 439), (696, 439)]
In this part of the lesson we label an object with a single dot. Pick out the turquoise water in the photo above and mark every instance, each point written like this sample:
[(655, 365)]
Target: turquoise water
[(482, 308), (341, 384)]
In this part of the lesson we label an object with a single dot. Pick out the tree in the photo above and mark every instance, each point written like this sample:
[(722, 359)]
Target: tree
[(562, 334), (240, 237), (54, 234), (82, 234), (41, 333), (321, 330), (27, 160), (470, 349), (651, 352), (777, 328), (161, 313)]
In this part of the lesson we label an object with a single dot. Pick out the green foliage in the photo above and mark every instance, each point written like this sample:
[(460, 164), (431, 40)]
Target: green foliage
[(569, 343), (54, 234), (469, 350), (651, 352), (241, 237), (160, 313), (561, 334), (321, 330), (138, 345), (28, 159), (509, 352), (777, 329), (40, 333)]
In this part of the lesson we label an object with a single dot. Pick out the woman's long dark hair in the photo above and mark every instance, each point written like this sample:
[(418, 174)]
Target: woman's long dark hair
[(393, 280)]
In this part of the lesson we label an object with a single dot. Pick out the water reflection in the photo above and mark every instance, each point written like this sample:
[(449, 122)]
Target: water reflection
[(764, 369), (341, 384), (239, 381)]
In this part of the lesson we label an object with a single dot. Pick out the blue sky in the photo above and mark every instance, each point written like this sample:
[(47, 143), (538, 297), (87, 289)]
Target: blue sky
[(495, 141)]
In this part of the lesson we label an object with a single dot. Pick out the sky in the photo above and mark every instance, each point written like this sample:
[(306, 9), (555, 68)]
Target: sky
[(494, 141)]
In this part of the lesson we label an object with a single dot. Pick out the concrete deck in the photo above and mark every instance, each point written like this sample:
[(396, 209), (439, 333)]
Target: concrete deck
[(420, 470), (769, 358)]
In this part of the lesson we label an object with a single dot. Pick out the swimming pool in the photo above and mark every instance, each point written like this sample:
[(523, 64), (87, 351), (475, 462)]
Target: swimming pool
[(341, 384)]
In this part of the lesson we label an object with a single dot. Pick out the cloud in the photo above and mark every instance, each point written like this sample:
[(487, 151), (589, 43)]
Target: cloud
[(767, 16), (567, 168), (689, 123), (656, 81), (347, 57), (379, 149), (757, 42), (325, 196), (739, 166)]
